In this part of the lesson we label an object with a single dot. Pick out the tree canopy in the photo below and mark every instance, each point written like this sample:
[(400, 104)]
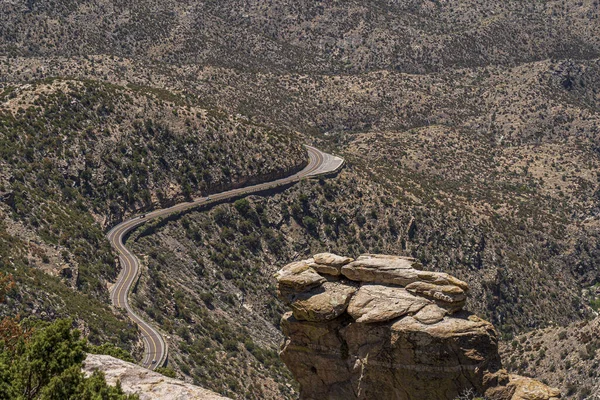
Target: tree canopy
[(44, 361)]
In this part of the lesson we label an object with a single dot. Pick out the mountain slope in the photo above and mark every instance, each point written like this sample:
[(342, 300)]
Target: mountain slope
[(77, 156), (472, 130), (326, 36)]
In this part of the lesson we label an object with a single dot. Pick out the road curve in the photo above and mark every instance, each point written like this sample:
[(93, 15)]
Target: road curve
[(155, 346)]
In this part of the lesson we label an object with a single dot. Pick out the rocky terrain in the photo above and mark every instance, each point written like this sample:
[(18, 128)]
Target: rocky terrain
[(561, 356), (381, 327), (350, 36), (143, 382), (225, 258)]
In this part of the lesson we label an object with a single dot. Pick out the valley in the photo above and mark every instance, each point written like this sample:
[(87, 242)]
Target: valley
[(156, 351), (469, 130)]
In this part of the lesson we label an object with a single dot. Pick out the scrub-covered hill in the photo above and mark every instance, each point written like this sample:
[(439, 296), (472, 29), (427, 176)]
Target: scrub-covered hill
[(471, 131), (306, 36), (78, 156)]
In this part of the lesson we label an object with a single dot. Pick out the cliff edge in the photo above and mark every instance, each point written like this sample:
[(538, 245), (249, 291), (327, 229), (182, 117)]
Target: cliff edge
[(380, 327), (149, 385)]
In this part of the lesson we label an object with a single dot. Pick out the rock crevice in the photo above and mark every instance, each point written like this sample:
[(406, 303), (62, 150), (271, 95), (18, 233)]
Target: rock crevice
[(381, 327)]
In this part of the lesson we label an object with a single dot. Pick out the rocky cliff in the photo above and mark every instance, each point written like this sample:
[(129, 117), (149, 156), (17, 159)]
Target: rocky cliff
[(381, 327)]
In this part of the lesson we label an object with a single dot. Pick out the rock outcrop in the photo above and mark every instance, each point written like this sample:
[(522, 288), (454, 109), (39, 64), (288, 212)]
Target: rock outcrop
[(379, 327), (147, 384)]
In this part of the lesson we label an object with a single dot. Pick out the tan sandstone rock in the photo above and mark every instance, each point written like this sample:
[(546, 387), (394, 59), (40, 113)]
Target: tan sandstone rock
[(395, 270), (323, 303), (402, 336), (147, 384), (530, 389), (332, 259), (329, 263), (430, 314), (401, 359), (441, 278), (515, 387), (297, 277), (326, 269), (378, 303), (385, 256), (450, 296)]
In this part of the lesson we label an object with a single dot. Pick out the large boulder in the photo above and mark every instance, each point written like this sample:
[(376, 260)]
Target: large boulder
[(396, 270), (531, 389), (379, 303), (329, 263), (297, 277), (517, 387), (386, 329), (450, 297), (399, 359), (392, 270), (430, 314), (322, 303)]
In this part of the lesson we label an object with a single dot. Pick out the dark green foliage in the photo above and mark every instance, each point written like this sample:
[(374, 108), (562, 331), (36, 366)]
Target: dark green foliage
[(207, 297), (221, 217), (251, 242), (103, 324), (595, 304), (47, 365), (111, 350), (311, 224), (166, 371), (242, 206)]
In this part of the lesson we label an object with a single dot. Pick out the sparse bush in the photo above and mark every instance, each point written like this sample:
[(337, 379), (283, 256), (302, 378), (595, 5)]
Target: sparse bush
[(166, 371)]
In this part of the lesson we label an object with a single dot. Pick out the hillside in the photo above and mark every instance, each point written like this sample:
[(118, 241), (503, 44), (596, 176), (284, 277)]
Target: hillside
[(470, 129), (565, 356), (222, 261), (307, 36), (78, 156)]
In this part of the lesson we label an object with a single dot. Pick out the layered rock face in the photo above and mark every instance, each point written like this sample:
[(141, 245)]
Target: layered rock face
[(379, 327)]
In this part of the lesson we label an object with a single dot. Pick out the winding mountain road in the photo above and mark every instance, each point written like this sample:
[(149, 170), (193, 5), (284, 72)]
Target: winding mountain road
[(155, 346)]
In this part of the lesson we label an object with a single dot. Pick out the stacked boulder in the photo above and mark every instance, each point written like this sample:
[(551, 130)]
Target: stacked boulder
[(381, 327), (373, 288)]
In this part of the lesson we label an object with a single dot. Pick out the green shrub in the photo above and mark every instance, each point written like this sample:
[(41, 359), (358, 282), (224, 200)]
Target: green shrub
[(111, 350), (310, 224), (166, 371), (207, 298), (242, 206), (45, 362)]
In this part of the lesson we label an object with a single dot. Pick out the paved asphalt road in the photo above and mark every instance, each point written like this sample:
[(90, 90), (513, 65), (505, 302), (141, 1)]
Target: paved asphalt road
[(156, 350)]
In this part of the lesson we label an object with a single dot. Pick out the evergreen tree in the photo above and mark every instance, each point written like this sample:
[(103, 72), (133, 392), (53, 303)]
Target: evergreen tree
[(44, 362)]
